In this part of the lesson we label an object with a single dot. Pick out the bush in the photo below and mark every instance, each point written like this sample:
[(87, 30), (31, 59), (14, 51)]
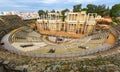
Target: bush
[(103, 22)]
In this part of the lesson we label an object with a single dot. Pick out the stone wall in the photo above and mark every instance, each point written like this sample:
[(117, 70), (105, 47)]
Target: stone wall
[(9, 23)]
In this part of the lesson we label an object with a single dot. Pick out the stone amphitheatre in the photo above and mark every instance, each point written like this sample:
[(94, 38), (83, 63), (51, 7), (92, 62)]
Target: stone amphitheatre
[(51, 39)]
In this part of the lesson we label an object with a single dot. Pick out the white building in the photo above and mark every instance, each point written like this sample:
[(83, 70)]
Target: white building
[(23, 15), (28, 15)]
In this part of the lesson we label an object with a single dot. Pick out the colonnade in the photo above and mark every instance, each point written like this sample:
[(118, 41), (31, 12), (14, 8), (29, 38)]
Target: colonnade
[(50, 16), (74, 23)]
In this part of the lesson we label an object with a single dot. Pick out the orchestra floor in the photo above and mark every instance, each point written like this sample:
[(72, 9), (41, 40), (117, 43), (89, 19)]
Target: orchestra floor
[(61, 34)]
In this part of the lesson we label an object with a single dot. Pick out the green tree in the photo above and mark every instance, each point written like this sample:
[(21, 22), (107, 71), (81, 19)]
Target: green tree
[(57, 11), (46, 12), (53, 11), (101, 9), (106, 12), (115, 13), (41, 12), (63, 13), (84, 9), (115, 10), (91, 8), (77, 8)]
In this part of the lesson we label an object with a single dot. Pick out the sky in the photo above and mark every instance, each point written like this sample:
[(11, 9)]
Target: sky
[(35, 5)]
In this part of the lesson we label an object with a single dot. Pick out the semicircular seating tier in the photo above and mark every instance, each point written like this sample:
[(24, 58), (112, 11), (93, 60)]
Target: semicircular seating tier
[(94, 43)]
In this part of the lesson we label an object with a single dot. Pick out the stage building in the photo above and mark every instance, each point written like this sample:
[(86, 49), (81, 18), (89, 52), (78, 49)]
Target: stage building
[(74, 23)]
